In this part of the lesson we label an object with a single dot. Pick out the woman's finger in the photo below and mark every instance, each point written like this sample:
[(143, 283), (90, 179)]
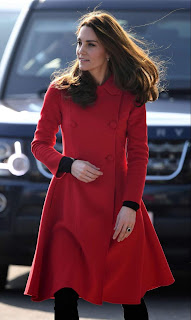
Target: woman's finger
[(83, 179), (94, 172), (93, 169), (116, 223), (92, 165), (124, 233), (86, 178), (118, 229), (92, 175), (85, 171)]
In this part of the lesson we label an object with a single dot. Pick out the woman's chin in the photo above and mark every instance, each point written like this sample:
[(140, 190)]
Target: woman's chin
[(83, 68)]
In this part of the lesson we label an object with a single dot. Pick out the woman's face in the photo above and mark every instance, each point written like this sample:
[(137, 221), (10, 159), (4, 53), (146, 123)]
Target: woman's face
[(90, 52)]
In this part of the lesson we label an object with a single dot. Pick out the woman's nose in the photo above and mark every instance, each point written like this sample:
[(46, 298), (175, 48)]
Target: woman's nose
[(81, 49)]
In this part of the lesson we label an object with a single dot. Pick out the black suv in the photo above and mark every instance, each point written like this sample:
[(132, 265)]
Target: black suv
[(42, 41)]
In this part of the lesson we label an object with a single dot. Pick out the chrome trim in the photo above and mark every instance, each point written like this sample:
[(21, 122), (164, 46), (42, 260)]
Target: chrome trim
[(9, 165), (148, 177), (40, 165), (3, 203), (42, 170), (18, 154), (8, 149), (177, 171)]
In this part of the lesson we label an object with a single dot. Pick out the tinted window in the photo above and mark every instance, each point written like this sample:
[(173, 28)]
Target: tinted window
[(49, 43), (7, 21)]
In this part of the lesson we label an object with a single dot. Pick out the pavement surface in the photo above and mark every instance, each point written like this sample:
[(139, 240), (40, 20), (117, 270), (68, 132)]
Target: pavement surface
[(164, 303)]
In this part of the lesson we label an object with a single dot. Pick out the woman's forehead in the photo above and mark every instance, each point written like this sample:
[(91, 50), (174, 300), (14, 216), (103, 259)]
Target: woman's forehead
[(87, 33)]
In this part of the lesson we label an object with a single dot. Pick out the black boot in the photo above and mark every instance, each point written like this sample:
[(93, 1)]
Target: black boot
[(135, 311), (66, 305)]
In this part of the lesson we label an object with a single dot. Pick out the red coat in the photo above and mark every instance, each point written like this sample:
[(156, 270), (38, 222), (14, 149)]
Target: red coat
[(75, 246)]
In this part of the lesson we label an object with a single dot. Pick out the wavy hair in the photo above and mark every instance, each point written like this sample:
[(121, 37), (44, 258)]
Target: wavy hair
[(132, 67)]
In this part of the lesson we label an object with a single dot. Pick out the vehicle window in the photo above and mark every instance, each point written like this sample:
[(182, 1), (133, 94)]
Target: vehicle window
[(48, 46), (49, 43), (7, 21)]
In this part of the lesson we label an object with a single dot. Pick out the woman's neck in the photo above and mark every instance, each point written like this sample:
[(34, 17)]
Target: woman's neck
[(105, 77)]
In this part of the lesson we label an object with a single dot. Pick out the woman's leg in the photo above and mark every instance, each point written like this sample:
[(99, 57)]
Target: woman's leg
[(135, 311), (65, 304)]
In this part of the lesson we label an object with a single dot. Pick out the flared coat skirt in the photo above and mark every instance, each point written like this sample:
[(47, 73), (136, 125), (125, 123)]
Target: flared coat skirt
[(75, 247)]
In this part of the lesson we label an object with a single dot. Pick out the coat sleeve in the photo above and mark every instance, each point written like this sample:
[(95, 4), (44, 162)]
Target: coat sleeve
[(137, 154), (44, 140)]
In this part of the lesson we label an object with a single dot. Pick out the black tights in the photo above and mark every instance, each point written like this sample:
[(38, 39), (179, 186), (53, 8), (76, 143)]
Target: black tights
[(135, 311), (66, 304), (66, 307)]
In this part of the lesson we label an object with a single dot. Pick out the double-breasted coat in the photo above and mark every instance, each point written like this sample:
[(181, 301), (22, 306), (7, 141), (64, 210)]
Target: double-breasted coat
[(75, 247)]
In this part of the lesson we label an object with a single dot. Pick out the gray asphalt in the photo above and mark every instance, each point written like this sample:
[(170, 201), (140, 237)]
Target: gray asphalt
[(164, 303)]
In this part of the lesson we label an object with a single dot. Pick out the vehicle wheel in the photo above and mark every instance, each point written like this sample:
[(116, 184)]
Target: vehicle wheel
[(3, 275)]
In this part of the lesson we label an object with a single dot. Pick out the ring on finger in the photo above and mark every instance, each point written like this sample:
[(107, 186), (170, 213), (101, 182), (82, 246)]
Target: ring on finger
[(128, 229)]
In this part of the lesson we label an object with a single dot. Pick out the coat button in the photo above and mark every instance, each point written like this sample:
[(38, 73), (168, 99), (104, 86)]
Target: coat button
[(109, 157), (73, 124), (113, 124)]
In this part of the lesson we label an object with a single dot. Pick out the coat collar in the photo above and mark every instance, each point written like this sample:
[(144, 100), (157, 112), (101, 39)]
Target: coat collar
[(110, 86)]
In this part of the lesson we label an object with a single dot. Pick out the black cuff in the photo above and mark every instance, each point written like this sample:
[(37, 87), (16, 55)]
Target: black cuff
[(65, 164), (131, 204)]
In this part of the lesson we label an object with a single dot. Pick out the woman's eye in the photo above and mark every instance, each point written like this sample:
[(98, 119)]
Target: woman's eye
[(89, 44)]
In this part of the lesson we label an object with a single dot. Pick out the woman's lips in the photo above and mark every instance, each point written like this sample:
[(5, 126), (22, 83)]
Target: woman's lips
[(83, 60)]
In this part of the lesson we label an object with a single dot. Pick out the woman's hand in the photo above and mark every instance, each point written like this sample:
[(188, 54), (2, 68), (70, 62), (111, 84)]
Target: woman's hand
[(85, 171), (126, 218)]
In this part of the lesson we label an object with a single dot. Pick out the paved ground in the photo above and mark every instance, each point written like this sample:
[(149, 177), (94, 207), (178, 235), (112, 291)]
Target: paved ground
[(164, 303)]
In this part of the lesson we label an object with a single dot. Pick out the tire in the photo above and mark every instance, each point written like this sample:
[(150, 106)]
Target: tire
[(3, 275)]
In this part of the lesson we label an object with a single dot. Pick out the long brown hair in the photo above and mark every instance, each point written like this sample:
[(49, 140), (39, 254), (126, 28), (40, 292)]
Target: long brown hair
[(132, 67)]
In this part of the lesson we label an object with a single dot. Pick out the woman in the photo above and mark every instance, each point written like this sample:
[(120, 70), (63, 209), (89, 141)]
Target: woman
[(96, 240)]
